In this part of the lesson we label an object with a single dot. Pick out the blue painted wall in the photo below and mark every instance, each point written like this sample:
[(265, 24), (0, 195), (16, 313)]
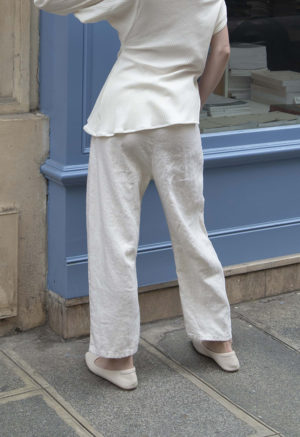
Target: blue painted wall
[(251, 178)]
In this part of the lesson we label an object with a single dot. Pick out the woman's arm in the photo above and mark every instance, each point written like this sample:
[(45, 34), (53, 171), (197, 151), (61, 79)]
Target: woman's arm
[(215, 64)]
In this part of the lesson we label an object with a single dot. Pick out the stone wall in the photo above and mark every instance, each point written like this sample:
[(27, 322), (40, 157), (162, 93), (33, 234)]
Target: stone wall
[(24, 146)]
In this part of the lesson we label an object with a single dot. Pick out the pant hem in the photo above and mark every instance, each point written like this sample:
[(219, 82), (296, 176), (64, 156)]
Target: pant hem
[(113, 354), (210, 337)]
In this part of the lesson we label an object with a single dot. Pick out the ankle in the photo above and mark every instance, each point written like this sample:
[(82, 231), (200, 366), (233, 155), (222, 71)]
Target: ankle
[(115, 363), (218, 346)]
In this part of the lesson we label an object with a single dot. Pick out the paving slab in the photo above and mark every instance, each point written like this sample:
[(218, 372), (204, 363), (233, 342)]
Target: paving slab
[(31, 417), (164, 404), (268, 383), (9, 380), (277, 315)]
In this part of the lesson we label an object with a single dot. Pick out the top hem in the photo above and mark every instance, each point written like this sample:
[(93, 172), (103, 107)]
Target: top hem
[(90, 131)]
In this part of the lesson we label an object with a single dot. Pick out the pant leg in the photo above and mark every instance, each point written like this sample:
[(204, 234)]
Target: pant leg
[(117, 178), (178, 175)]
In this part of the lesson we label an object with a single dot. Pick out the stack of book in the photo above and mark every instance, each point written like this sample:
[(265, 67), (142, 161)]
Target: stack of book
[(241, 122), (219, 106), (275, 87), (239, 82), (247, 56), (244, 58), (290, 109)]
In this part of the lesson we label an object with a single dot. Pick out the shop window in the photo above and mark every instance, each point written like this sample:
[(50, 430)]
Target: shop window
[(261, 84)]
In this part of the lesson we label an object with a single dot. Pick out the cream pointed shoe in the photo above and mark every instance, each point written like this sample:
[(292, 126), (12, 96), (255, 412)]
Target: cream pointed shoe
[(227, 360), (126, 379)]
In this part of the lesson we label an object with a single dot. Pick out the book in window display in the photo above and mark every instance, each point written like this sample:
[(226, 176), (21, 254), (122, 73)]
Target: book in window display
[(263, 73), (276, 87)]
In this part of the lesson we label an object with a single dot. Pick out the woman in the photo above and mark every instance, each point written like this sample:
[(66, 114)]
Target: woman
[(145, 125)]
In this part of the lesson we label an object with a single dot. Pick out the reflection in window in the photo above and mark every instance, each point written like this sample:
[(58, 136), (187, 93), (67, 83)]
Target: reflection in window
[(261, 84)]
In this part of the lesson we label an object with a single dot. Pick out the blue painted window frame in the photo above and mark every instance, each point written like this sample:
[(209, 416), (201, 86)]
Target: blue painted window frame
[(251, 177)]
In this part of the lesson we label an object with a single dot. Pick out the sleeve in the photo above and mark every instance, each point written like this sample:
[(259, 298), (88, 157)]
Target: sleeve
[(103, 10), (222, 18), (86, 11), (64, 7)]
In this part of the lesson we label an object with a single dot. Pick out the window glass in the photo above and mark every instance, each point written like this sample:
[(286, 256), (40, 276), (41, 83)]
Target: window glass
[(261, 84)]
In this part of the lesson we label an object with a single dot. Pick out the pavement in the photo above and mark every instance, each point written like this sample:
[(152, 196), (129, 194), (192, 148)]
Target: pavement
[(47, 390)]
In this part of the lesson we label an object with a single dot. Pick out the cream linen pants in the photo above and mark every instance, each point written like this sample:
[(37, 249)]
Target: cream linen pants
[(119, 171)]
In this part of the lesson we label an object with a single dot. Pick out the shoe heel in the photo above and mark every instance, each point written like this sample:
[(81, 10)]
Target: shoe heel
[(125, 379), (227, 361)]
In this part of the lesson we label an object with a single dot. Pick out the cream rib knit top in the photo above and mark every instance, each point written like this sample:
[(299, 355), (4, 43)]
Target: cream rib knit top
[(164, 46)]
